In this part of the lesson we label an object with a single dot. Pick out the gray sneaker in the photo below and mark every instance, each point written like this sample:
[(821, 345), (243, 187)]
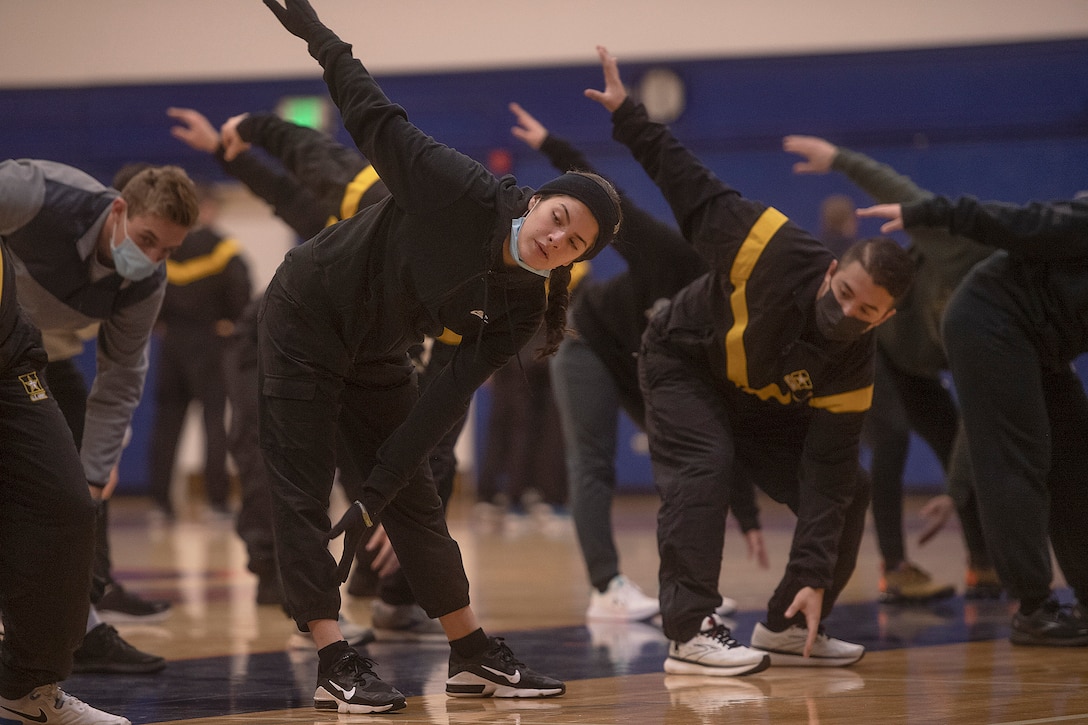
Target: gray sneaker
[(714, 652), (787, 648), (405, 622)]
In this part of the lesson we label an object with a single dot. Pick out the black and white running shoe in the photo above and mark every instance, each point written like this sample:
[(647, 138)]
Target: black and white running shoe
[(498, 673), (350, 686)]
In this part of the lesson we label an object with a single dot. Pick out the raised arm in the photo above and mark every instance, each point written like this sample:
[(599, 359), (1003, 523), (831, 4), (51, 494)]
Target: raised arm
[(1055, 230), (320, 163), (655, 252), (289, 200), (420, 173), (880, 181), (699, 200)]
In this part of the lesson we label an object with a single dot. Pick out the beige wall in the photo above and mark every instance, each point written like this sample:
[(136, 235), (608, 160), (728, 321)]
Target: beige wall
[(80, 42)]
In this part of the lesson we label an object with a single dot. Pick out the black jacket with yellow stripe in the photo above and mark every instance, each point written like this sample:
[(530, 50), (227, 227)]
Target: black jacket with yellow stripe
[(340, 180), (207, 281), (748, 326)]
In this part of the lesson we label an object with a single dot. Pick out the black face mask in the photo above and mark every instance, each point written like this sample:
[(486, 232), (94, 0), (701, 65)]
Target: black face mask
[(833, 324)]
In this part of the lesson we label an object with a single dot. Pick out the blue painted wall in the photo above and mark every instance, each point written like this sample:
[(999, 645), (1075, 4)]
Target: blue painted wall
[(1006, 122)]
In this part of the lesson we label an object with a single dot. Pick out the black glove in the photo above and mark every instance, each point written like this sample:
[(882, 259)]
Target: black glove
[(353, 524), (298, 17)]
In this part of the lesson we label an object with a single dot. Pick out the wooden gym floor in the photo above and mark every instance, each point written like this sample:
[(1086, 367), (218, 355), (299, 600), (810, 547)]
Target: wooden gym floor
[(947, 662)]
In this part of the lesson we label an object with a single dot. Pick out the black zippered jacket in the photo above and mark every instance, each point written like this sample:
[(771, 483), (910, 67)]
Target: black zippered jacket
[(427, 257)]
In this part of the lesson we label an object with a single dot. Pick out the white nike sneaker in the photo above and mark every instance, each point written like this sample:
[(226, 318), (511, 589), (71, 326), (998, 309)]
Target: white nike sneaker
[(497, 673), (714, 652), (622, 601), (787, 648), (50, 705)]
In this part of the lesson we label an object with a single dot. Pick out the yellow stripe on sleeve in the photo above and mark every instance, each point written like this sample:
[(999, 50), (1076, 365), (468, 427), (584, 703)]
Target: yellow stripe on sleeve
[(853, 401), (354, 191), (204, 266)]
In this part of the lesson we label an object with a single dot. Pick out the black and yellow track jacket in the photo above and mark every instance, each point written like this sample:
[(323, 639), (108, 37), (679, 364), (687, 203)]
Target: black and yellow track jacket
[(428, 257), (748, 326), (339, 179)]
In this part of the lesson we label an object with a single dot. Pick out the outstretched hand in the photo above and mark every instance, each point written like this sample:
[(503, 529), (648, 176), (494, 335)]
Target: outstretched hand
[(195, 130), (232, 141), (818, 153), (892, 212), (298, 17), (614, 94), (529, 130)]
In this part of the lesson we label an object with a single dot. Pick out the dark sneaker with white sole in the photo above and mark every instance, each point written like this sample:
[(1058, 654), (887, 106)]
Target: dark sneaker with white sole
[(104, 651), (498, 673), (120, 606), (351, 686)]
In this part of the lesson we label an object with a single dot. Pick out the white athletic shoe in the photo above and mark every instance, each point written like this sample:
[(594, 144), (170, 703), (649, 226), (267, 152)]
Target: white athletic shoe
[(786, 648), (623, 601), (714, 652), (354, 634), (50, 705)]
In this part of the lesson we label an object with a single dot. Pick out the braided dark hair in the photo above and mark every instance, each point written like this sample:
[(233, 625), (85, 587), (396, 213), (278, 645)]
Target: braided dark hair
[(555, 316)]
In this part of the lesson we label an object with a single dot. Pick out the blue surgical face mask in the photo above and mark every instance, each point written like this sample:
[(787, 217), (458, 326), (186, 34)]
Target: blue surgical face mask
[(129, 260), (515, 227)]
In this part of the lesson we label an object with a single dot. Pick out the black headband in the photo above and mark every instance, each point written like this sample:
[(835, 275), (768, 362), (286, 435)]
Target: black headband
[(593, 195)]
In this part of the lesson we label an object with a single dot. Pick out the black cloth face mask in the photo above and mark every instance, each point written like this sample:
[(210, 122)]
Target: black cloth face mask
[(833, 324)]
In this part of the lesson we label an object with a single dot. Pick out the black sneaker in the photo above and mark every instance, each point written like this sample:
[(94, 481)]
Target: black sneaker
[(103, 650), (120, 606), (350, 686), (497, 673), (1051, 625)]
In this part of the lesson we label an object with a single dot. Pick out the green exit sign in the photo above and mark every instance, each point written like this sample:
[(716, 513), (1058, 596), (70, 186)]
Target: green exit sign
[(309, 111)]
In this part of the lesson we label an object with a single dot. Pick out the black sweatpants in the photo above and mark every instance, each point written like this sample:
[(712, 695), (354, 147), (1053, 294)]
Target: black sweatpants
[(901, 403), (1026, 416), (46, 535), (69, 388), (190, 368), (311, 391), (698, 451)]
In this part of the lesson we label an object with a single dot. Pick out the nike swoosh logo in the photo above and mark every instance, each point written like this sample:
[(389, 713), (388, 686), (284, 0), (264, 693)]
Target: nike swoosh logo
[(512, 679), (40, 717), (348, 694)]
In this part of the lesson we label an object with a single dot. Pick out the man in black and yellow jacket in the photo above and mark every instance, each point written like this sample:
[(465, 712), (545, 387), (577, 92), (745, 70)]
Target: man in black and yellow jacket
[(760, 369)]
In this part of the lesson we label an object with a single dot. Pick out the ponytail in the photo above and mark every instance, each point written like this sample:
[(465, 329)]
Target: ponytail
[(555, 316)]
